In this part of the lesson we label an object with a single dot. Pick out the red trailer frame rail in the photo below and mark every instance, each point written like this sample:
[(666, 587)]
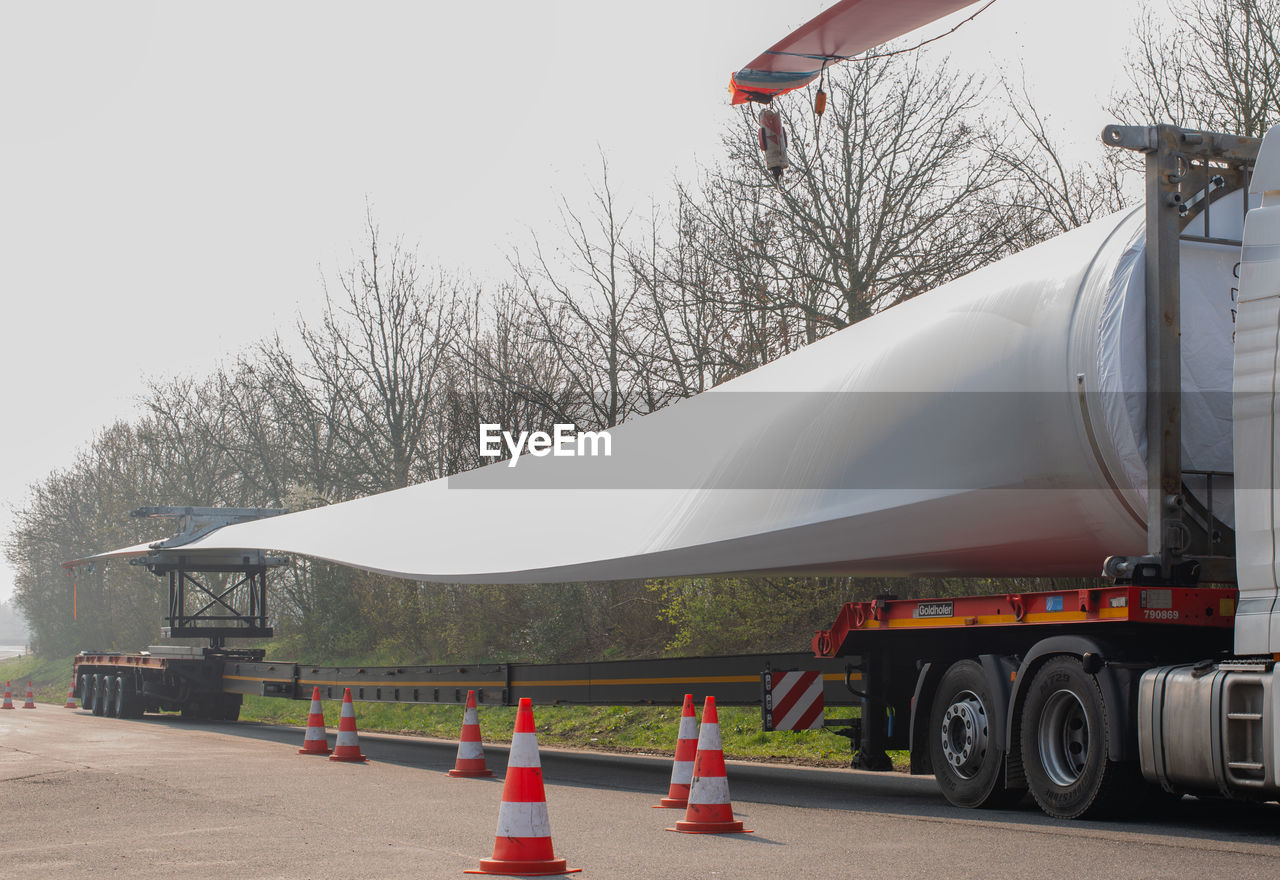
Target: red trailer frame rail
[(1184, 606)]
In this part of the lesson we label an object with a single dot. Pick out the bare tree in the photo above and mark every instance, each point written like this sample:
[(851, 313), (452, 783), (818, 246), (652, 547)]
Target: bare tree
[(309, 404), (1045, 194), (381, 347), (707, 324), (1217, 67), (690, 323), (507, 372), (583, 304), (891, 193)]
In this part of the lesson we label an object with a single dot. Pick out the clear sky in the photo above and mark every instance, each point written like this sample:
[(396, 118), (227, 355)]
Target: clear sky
[(177, 178)]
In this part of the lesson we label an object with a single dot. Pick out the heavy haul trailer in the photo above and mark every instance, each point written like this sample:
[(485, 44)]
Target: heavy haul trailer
[(163, 678), (1077, 696), (212, 682)]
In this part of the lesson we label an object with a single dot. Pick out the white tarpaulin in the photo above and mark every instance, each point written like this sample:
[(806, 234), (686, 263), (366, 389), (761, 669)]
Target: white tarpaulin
[(1207, 284), (947, 435)]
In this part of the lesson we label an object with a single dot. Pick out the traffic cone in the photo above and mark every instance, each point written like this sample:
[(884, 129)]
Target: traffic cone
[(470, 760), (709, 810), (522, 845), (315, 743), (682, 767), (347, 746), (71, 697), (31, 698), (8, 697)]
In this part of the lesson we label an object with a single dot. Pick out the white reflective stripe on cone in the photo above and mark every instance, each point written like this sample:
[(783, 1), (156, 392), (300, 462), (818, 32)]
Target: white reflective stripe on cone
[(682, 772), (688, 727), (314, 733), (347, 738), (523, 820), (709, 737), (316, 708), (709, 790), (470, 716), (468, 750), (524, 750)]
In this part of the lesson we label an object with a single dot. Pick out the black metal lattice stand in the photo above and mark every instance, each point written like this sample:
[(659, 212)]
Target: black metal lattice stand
[(199, 609)]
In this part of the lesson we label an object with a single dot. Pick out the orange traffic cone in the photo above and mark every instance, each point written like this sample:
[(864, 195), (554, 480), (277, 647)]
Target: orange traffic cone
[(347, 746), (709, 810), (682, 768), (31, 698), (470, 760), (71, 697), (315, 743), (523, 843), (8, 696)]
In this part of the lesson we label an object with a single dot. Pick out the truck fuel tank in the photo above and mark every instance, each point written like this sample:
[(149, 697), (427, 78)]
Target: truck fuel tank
[(1210, 728)]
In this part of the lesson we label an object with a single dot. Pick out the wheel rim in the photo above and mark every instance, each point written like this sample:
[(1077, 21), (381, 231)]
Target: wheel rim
[(965, 734), (1063, 736)]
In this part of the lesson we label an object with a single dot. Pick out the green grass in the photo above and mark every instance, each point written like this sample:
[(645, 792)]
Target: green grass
[(634, 729), (50, 678)]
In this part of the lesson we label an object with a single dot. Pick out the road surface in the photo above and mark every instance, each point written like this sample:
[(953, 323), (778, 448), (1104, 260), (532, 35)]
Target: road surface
[(86, 797)]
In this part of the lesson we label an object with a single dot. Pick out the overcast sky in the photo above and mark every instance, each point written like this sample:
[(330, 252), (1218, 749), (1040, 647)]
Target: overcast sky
[(177, 178)]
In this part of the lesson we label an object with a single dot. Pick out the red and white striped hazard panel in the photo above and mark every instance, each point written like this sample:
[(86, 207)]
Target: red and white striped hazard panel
[(793, 700)]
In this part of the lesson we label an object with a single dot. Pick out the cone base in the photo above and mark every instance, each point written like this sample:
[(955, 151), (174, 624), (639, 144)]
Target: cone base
[(8, 707), (670, 803), (469, 774), (325, 752), (524, 868), (25, 706), (734, 827), (349, 758)]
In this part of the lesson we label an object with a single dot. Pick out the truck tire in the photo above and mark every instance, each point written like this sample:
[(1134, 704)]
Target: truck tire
[(129, 703), (109, 695), (99, 694), (227, 707), (116, 709), (1064, 745), (196, 708), (962, 747), (86, 692)]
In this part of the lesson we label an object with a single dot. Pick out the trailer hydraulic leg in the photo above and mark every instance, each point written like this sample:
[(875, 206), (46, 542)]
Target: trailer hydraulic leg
[(871, 737)]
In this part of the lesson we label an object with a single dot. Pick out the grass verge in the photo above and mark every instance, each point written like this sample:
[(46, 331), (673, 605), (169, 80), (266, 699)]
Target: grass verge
[(634, 729), (50, 677)]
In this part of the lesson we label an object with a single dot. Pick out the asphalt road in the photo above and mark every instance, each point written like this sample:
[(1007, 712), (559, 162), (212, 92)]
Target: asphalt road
[(86, 797)]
